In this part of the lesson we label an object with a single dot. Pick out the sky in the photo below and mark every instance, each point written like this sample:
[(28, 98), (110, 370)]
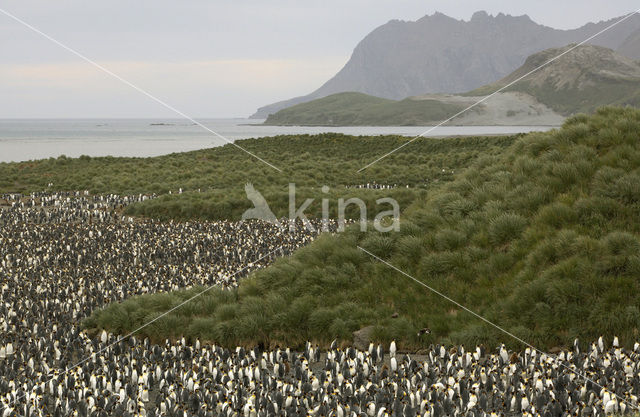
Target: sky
[(209, 58)]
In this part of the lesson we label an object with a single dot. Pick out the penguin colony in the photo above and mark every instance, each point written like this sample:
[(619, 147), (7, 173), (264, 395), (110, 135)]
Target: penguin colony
[(64, 255), (375, 186)]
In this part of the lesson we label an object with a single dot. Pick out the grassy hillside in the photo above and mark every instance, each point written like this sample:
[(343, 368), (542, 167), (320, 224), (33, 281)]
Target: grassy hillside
[(221, 173), (580, 81), (357, 109), (543, 239)]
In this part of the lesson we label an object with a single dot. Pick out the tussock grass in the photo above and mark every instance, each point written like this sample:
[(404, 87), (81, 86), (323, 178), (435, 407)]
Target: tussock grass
[(213, 180), (543, 240)]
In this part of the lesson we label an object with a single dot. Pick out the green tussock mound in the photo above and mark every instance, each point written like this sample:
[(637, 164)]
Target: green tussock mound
[(543, 240), (358, 109)]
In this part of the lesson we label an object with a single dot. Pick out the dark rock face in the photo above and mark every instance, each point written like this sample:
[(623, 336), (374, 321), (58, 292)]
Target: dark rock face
[(439, 54)]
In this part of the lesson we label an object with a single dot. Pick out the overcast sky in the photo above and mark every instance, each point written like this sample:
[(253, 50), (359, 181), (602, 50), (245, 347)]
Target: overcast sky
[(210, 58)]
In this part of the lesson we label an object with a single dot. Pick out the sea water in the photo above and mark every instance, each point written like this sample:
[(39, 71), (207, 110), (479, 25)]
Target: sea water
[(28, 139)]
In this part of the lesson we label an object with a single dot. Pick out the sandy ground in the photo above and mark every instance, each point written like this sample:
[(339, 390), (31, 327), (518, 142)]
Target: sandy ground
[(501, 109)]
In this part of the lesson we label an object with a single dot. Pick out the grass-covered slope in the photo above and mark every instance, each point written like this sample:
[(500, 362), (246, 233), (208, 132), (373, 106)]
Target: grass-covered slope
[(222, 172), (580, 81), (543, 240), (357, 109)]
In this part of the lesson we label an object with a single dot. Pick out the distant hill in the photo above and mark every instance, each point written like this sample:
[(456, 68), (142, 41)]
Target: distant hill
[(357, 109), (581, 81), (439, 54)]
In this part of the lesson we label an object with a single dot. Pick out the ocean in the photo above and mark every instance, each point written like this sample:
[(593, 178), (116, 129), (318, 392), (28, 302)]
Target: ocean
[(29, 139)]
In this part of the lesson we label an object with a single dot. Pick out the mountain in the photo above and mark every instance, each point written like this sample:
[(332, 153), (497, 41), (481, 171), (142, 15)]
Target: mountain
[(582, 80), (631, 46), (440, 54)]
